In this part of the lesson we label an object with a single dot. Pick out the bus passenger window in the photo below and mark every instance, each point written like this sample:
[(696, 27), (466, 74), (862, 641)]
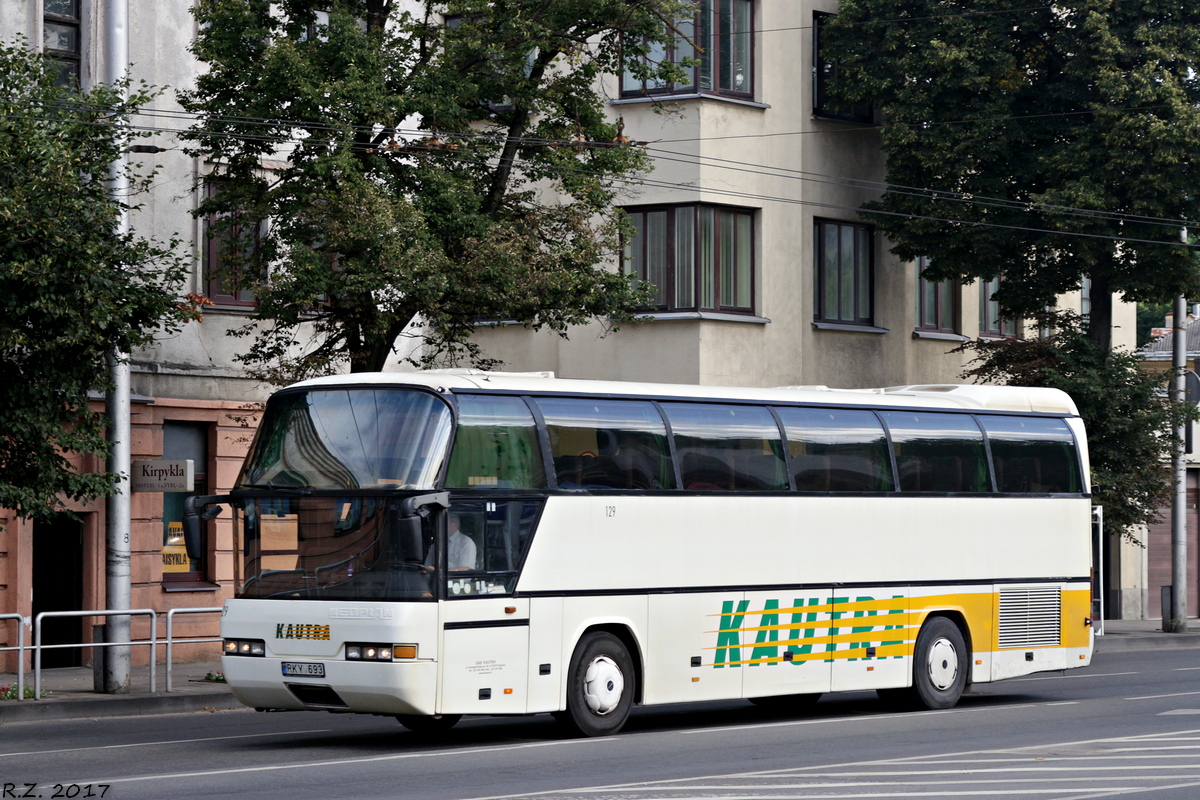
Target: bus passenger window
[(726, 447), (1033, 455), (495, 445), (837, 450), (938, 453), (607, 444)]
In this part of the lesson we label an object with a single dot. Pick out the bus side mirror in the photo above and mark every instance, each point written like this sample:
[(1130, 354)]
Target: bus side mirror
[(408, 531), (196, 508), (408, 525)]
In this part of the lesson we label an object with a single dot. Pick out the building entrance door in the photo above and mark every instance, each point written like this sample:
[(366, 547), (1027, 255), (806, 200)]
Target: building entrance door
[(58, 586)]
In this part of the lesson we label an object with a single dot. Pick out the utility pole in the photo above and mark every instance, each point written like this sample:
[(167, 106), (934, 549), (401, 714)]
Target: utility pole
[(117, 402), (1175, 618)]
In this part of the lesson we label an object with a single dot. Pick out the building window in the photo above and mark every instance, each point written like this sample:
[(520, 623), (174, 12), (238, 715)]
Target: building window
[(61, 34), (720, 38), (990, 321), (937, 302), (698, 257), (182, 440), (825, 77), (842, 285), (229, 281)]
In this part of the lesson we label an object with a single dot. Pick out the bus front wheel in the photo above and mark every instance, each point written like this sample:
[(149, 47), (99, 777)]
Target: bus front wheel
[(600, 686), (940, 664)]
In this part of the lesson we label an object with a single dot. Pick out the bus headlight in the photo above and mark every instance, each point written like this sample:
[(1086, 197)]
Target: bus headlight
[(368, 651), (245, 647)]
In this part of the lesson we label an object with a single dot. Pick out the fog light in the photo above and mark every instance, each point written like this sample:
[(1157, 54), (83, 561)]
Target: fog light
[(353, 651)]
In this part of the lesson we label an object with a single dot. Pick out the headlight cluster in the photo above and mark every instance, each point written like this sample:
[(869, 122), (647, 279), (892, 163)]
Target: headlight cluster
[(245, 647), (367, 651)]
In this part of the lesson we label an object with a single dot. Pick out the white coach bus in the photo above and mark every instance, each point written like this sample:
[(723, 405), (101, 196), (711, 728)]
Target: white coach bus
[(428, 545)]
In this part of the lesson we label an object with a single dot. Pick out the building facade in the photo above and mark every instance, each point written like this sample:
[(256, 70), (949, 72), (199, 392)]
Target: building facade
[(748, 226)]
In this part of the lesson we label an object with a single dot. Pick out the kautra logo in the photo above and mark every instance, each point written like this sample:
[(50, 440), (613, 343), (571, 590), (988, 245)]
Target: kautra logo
[(301, 631), (807, 629)]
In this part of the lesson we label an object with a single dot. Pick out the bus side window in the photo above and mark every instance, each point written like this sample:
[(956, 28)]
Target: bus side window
[(495, 445), (607, 444), (1033, 455), (938, 452), (837, 450), (726, 447)]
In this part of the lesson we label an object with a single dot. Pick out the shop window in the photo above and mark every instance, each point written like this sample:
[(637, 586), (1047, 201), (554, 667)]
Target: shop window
[(182, 440)]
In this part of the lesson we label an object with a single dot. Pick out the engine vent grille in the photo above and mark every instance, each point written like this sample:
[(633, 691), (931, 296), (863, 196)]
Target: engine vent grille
[(1030, 617)]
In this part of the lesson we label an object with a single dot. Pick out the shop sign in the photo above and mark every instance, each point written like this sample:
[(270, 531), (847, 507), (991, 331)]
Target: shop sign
[(163, 476)]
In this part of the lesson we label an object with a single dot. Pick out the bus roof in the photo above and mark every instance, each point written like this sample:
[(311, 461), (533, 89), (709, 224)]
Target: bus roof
[(963, 396)]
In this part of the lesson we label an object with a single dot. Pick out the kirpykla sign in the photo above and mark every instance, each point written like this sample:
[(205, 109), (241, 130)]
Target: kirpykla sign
[(163, 476)]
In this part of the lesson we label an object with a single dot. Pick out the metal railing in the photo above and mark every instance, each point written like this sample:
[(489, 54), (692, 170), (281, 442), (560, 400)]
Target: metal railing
[(20, 648), (38, 647), (170, 620)]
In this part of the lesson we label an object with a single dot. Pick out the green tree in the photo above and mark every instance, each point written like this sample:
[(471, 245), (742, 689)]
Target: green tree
[(71, 287), (412, 157), (1000, 119), (1130, 420), (1151, 315)]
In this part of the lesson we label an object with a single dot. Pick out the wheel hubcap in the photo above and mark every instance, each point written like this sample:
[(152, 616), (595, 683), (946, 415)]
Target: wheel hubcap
[(943, 664), (603, 685)]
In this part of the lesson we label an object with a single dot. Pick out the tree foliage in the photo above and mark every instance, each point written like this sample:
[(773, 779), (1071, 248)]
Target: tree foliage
[(72, 288), (1130, 420), (411, 156), (1001, 122)]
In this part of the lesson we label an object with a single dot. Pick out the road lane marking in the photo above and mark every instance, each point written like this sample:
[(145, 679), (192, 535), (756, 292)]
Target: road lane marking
[(1127, 791), (156, 744), (336, 762), (1071, 675), (1157, 696), (862, 718)]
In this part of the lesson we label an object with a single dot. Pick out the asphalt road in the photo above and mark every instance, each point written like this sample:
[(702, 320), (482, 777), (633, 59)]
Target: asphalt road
[(1128, 726)]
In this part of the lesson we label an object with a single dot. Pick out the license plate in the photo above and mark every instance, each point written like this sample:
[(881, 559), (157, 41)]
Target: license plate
[(303, 669)]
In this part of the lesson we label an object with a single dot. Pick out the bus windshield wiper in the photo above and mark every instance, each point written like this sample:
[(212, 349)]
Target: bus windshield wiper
[(271, 487)]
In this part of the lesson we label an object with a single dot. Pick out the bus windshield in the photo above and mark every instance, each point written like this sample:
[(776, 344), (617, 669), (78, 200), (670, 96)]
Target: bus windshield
[(333, 548), (356, 438)]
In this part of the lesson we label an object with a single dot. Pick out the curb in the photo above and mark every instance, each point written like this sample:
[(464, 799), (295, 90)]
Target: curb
[(1163, 641), (115, 706)]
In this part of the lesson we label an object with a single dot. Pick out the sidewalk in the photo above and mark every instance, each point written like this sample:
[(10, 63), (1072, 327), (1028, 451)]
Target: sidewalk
[(70, 694)]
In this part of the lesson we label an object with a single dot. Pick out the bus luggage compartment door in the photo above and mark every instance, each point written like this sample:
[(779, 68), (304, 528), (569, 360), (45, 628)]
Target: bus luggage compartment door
[(484, 656)]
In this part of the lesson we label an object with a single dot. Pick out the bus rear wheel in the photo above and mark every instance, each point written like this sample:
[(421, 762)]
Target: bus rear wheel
[(600, 686), (419, 723), (940, 664)]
